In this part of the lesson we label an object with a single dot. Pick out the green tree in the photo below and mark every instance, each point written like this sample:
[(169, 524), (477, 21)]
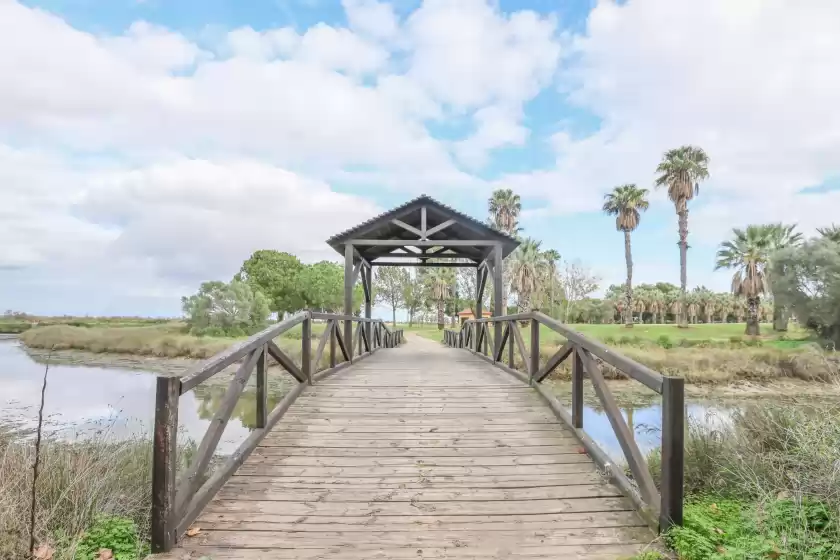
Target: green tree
[(322, 286), (625, 203), (413, 296), (221, 309), (391, 283), (779, 236), (526, 270), (807, 278), (277, 275), (746, 253), (681, 171)]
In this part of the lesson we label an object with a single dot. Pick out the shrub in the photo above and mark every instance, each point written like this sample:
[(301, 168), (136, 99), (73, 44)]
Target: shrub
[(664, 341), (118, 534)]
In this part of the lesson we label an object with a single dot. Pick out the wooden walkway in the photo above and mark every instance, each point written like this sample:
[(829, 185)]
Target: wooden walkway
[(418, 452)]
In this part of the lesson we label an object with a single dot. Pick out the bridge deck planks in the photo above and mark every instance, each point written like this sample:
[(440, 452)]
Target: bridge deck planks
[(418, 452)]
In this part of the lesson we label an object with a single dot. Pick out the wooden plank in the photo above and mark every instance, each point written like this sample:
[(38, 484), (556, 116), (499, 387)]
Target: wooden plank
[(375, 471), (276, 457), (413, 482), (635, 459), (554, 361), (363, 496), (262, 388), (285, 361), (520, 344), (339, 338), (417, 452), (535, 522), (386, 509)]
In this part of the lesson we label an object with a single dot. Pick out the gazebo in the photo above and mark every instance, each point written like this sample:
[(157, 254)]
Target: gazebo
[(468, 314), (423, 233)]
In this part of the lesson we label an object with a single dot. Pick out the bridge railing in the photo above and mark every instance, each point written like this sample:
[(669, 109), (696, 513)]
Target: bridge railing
[(662, 505), (178, 500)]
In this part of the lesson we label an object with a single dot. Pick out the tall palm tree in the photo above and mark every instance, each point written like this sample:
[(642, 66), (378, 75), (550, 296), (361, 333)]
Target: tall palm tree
[(831, 232), (625, 203), (656, 306), (551, 258), (439, 286), (779, 236), (747, 253), (526, 269), (681, 171), (505, 207)]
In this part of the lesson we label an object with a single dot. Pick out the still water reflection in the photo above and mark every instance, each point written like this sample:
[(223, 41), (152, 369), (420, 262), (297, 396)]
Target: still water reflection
[(81, 400)]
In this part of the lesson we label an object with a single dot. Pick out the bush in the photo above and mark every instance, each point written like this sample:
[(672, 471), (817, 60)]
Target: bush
[(664, 341), (117, 534)]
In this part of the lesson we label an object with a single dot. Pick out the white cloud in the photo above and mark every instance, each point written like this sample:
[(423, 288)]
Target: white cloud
[(373, 18), (754, 83), (468, 54), (495, 127)]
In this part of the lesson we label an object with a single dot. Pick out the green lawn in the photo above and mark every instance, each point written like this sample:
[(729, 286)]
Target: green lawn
[(718, 332)]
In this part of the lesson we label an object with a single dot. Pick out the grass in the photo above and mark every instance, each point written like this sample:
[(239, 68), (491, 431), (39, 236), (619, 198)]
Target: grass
[(87, 491), (706, 355), (766, 485), (166, 340)]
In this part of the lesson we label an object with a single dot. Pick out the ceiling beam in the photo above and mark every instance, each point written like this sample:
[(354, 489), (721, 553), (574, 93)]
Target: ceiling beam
[(427, 264), (439, 227), (408, 228), (428, 243)]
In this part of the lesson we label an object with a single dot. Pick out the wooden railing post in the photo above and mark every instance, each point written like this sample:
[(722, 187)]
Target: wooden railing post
[(510, 344), (332, 326), (673, 452), (306, 350), (165, 463), (577, 389), (262, 389), (534, 356)]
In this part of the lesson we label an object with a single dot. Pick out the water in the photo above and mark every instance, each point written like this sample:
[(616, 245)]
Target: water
[(82, 400)]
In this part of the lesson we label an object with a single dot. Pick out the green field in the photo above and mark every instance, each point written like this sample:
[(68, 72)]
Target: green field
[(620, 335)]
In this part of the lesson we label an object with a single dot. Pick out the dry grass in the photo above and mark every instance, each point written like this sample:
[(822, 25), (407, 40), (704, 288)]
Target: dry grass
[(77, 482)]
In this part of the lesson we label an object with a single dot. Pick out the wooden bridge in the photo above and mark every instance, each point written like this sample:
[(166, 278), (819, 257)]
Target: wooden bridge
[(402, 447)]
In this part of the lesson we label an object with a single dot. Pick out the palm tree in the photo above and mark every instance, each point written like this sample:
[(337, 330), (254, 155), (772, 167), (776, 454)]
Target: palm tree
[(505, 207), (641, 303), (831, 232), (551, 258), (625, 202), (526, 269), (656, 306), (439, 284), (681, 171), (747, 255)]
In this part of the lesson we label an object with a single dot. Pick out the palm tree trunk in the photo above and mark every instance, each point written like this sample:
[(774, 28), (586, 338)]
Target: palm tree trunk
[(440, 314), (394, 316), (683, 226), (752, 317), (628, 259)]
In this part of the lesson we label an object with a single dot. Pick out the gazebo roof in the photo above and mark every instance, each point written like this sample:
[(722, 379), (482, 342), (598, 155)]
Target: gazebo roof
[(410, 231)]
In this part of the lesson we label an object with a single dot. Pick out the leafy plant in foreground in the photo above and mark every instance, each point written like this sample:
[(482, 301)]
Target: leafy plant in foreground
[(117, 534)]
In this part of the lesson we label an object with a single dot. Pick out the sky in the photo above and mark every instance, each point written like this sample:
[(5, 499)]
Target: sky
[(149, 145)]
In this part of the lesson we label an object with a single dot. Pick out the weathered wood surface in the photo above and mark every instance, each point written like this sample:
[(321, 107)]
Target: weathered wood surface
[(418, 452)]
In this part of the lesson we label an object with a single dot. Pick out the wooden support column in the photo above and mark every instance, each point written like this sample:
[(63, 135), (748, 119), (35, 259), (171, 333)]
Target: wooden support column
[(348, 299), (367, 278), (577, 389), (673, 452), (499, 306), (165, 463)]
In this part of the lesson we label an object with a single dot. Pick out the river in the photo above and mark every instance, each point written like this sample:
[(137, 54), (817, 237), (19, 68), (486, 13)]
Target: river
[(83, 400)]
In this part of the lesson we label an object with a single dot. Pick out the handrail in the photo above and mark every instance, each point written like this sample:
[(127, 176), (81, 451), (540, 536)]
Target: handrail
[(176, 502), (663, 506)]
